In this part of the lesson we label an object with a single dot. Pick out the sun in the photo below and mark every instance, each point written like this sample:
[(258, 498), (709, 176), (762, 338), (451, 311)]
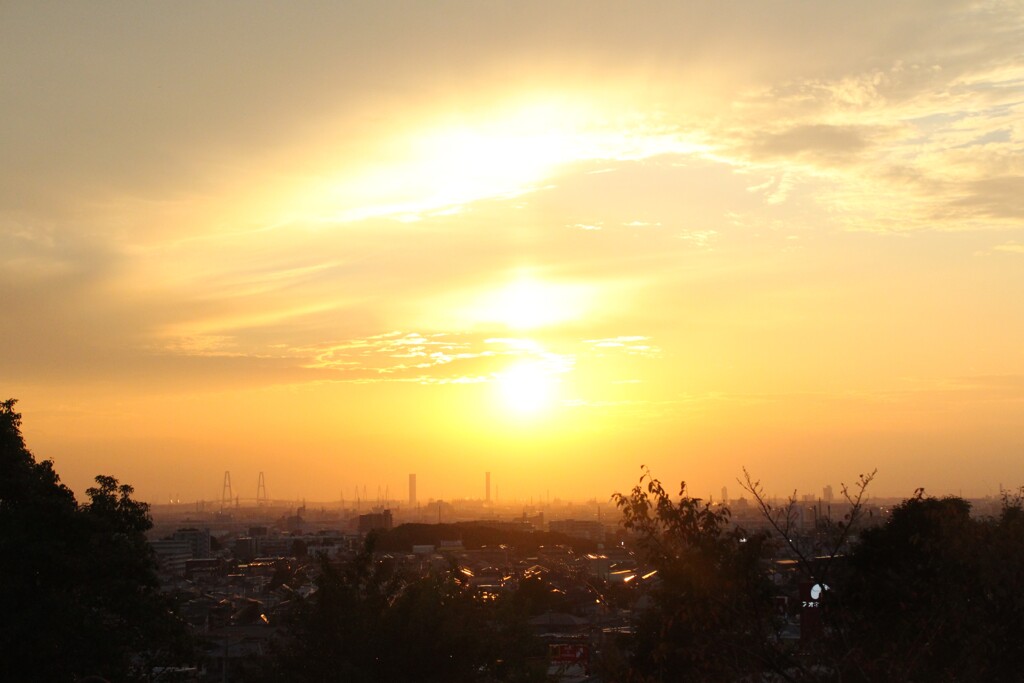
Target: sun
[(526, 303), (527, 388)]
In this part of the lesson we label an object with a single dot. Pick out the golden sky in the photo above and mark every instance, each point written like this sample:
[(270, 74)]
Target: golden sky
[(341, 242)]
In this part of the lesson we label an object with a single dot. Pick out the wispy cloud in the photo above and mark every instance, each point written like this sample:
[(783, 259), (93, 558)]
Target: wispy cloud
[(929, 145), (436, 358), (633, 345), (1010, 248)]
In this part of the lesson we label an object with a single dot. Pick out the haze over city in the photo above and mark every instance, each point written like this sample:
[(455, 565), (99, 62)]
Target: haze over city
[(341, 243)]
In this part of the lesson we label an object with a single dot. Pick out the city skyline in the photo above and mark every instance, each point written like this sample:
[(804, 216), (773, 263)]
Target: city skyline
[(342, 243)]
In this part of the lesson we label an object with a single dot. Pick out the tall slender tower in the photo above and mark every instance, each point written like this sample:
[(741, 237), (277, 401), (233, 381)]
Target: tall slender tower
[(487, 477), (261, 491), (225, 493), (412, 490)]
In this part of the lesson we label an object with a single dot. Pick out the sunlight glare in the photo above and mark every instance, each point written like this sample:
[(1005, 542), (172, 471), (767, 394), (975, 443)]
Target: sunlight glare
[(526, 304), (527, 388), (500, 152)]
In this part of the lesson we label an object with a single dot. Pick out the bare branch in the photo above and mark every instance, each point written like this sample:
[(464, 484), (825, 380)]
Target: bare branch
[(783, 519), (856, 501), (780, 519)]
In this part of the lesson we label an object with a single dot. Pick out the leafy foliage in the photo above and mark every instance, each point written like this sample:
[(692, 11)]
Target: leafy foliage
[(711, 613), (936, 595), (369, 622), (79, 586)]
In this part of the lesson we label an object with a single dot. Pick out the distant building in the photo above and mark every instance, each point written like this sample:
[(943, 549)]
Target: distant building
[(487, 477), (537, 520), (579, 528), (412, 490), (244, 548), (826, 494), (276, 546), (375, 520), (197, 539), (203, 569), (172, 554)]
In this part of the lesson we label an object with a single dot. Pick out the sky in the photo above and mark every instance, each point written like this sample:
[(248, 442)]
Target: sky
[(342, 242)]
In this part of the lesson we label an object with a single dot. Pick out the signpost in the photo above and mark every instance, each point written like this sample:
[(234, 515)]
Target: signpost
[(811, 596)]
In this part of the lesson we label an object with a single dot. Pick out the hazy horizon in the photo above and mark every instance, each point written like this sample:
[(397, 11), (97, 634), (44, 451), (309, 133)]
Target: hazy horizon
[(343, 242)]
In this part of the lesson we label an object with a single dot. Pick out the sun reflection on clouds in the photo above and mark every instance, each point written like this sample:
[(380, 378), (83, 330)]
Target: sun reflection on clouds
[(451, 160), (528, 376), (526, 304), (435, 358)]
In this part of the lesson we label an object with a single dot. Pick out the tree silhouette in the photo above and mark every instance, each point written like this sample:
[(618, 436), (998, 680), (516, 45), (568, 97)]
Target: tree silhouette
[(711, 614), (935, 594), (370, 621), (78, 583)]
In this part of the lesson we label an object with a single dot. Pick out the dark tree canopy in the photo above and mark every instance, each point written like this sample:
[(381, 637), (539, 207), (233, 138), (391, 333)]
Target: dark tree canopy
[(710, 615), (79, 587), (23, 481), (935, 595), (367, 621)]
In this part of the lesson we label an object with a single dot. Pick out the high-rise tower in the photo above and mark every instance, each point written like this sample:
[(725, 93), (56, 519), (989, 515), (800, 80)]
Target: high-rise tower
[(226, 495), (412, 490), (261, 491), (488, 479)]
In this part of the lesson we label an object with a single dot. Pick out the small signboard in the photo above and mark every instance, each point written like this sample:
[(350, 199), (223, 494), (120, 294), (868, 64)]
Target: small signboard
[(811, 596), (568, 653)]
